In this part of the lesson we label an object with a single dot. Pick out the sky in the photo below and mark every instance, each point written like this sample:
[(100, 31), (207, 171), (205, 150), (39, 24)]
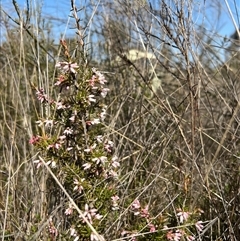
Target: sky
[(59, 9)]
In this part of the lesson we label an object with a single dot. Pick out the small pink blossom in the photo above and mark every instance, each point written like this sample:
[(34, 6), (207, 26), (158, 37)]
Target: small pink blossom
[(41, 95), (72, 118), (92, 81), (69, 210), (88, 150), (74, 233), (115, 202), (136, 204), (175, 236), (52, 229), (91, 213), (54, 146), (152, 227), (34, 140), (38, 162), (115, 163), (104, 92), (60, 80), (183, 216), (101, 159), (108, 145), (136, 207), (62, 138), (112, 174), (100, 76), (190, 238), (199, 226), (60, 105), (144, 212), (78, 185), (67, 67)]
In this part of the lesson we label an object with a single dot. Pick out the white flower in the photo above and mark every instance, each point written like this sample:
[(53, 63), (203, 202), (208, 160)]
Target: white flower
[(95, 121), (101, 159), (86, 166), (91, 98), (53, 164), (99, 138), (68, 131), (104, 92)]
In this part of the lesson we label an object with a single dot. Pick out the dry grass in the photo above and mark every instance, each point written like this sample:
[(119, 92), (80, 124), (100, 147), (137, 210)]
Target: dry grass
[(178, 142)]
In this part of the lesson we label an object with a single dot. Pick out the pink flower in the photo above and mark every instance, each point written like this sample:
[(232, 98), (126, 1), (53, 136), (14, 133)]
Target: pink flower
[(34, 140), (92, 81), (88, 150), (183, 216), (175, 236), (136, 207), (41, 95), (78, 185), (60, 105), (51, 228), (112, 174), (151, 227), (190, 238), (73, 233), (108, 145), (67, 67), (91, 213), (101, 159), (136, 204), (69, 210), (199, 226), (144, 212), (104, 92), (115, 163), (60, 79), (38, 162), (54, 146), (115, 202)]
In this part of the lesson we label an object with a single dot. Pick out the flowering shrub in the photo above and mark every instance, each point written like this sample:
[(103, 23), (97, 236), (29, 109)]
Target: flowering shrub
[(71, 142)]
